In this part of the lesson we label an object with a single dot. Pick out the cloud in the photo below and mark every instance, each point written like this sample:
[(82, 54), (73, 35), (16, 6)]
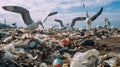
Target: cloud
[(39, 9), (97, 2)]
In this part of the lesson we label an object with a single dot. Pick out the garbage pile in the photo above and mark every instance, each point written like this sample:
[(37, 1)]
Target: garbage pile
[(92, 58), (45, 48)]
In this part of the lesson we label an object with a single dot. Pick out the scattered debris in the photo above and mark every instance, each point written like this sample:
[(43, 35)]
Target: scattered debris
[(42, 48)]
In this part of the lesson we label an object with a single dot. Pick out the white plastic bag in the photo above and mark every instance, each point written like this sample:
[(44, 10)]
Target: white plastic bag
[(84, 59)]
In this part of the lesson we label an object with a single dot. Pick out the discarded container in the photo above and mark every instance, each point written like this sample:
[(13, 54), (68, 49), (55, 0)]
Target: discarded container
[(88, 42), (33, 43), (64, 41), (57, 62)]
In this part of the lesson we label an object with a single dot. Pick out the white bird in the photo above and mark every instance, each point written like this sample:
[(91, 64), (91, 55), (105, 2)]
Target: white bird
[(31, 25), (107, 22), (70, 27), (90, 19)]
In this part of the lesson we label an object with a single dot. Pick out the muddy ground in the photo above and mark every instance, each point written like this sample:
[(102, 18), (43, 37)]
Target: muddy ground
[(111, 44)]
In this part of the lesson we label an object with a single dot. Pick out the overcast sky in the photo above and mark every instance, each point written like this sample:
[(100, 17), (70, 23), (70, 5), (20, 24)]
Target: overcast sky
[(67, 9)]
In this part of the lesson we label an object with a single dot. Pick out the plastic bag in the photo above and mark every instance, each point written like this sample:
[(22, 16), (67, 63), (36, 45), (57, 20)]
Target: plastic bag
[(84, 59)]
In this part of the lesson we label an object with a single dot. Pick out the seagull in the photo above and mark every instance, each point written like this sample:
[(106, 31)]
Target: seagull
[(61, 23), (70, 27), (30, 24), (107, 22), (90, 19)]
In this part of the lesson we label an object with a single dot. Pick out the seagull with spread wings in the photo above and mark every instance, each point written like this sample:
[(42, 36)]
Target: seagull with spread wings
[(90, 19), (30, 24)]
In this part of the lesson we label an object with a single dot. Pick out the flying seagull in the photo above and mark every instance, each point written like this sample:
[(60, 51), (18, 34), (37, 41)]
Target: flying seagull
[(71, 26), (90, 19), (31, 25), (61, 23)]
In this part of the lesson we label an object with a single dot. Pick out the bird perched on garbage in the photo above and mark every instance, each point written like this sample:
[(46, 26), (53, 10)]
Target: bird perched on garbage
[(31, 25)]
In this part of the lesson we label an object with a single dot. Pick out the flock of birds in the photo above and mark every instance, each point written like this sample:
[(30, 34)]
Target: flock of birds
[(31, 25)]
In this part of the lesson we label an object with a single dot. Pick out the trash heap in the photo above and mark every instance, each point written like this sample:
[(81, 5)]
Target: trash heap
[(55, 48)]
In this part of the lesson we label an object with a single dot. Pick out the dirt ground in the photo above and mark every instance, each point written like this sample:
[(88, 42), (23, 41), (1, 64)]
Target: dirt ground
[(111, 44)]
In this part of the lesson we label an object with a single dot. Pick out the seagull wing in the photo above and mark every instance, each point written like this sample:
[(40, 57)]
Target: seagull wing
[(77, 19), (87, 15), (24, 12), (96, 15), (60, 21), (52, 13)]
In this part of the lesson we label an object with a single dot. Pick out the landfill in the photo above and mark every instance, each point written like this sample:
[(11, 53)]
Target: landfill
[(56, 48)]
